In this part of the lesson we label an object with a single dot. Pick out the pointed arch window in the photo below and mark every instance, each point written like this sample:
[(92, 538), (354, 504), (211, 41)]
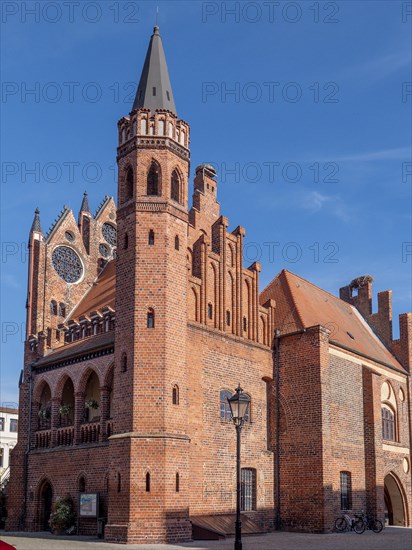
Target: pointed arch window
[(175, 395), (150, 318), (62, 310), (82, 485), (153, 180), (175, 186), (123, 362), (228, 318), (151, 239), (53, 307), (129, 184)]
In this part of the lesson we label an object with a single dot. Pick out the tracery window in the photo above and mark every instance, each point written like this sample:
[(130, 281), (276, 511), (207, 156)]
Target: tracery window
[(104, 250), (109, 233), (67, 264)]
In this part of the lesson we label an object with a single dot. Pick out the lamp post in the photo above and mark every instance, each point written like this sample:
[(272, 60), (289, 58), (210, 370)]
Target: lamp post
[(239, 406)]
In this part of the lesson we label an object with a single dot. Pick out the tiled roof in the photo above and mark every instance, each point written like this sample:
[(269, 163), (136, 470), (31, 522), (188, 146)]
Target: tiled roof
[(78, 348), (101, 294), (300, 304)]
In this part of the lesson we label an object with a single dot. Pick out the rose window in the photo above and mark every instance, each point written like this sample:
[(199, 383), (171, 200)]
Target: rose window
[(67, 264)]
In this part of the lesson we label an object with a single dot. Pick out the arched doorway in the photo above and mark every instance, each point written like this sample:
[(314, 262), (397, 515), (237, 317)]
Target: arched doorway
[(45, 505), (394, 505)]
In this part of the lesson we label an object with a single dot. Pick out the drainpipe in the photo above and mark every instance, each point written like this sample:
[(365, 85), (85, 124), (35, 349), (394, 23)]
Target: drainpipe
[(26, 456), (278, 520)]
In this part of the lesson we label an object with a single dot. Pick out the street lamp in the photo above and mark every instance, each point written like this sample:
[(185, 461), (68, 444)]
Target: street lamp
[(239, 406)]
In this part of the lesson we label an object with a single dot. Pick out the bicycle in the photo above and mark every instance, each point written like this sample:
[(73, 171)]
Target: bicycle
[(371, 523), (346, 523)]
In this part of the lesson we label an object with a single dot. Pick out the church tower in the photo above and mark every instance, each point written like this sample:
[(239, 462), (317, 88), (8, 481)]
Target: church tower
[(149, 484)]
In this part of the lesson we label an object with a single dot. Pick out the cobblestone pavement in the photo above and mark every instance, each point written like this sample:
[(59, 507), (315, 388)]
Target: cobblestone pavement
[(392, 538)]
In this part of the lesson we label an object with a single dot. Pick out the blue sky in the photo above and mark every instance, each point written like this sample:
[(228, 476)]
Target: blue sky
[(312, 146)]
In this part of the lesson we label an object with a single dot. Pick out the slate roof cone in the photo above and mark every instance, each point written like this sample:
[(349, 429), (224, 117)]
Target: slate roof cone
[(36, 226), (154, 90), (85, 203)]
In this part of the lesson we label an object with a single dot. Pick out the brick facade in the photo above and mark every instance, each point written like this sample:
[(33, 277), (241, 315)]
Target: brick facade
[(157, 327)]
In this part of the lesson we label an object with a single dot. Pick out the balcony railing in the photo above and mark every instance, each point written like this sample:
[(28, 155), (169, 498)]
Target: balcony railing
[(90, 432), (43, 439), (65, 436)]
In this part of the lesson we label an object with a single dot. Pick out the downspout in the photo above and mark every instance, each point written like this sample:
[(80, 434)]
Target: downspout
[(278, 520), (26, 456)]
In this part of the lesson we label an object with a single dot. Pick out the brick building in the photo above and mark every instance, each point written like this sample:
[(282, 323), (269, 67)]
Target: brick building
[(142, 319)]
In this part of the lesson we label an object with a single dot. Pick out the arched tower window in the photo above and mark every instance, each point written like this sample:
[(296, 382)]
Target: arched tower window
[(129, 184), (175, 186), (62, 310), (177, 244), (123, 362), (151, 238), (175, 395), (210, 311), (148, 482), (82, 485), (150, 318), (126, 241), (53, 307), (153, 179), (177, 482)]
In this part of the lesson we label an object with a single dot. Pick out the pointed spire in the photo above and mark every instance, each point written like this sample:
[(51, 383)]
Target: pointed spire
[(154, 90), (85, 203), (36, 222)]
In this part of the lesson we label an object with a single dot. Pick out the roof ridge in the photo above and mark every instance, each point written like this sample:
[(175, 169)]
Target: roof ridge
[(316, 286), (285, 272), (57, 221), (102, 205)]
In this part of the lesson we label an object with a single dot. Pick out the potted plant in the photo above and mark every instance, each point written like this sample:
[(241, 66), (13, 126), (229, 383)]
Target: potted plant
[(45, 413), (92, 404), (65, 409), (62, 517)]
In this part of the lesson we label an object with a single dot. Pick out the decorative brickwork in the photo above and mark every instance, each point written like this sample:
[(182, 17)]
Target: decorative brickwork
[(148, 316)]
